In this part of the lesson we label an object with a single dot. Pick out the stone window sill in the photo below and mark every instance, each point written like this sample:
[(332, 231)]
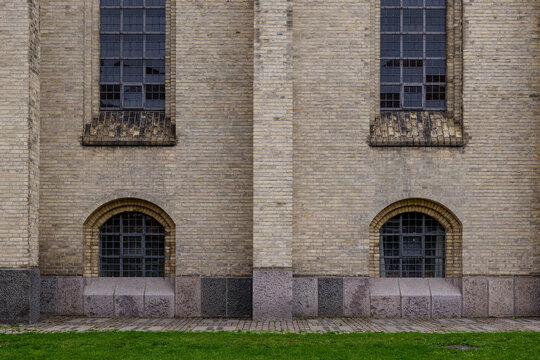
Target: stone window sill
[(415, 128), (130, 128)]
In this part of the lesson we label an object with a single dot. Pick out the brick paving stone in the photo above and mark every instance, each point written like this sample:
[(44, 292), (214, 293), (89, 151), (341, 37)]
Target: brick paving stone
[(322, 325)]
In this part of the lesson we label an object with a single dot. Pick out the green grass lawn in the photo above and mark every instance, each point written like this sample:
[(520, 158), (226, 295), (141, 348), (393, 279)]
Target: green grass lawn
[(181, 345)]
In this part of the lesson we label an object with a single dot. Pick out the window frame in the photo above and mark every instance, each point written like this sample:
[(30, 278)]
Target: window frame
[(121, 58), (422, 235), (402, 58), (123, 255)]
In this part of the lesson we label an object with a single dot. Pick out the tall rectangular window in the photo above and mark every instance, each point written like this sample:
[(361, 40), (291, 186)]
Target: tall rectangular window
[(413, 55), (132, 55)]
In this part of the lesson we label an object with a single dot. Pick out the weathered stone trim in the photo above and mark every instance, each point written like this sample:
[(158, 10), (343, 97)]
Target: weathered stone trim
[(103, 213), (92, 136), (439, 212), (411, 128)]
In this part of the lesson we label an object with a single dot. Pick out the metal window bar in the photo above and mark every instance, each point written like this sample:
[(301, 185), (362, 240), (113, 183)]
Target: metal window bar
[(385, 237), (402, 84), (142, 84), (124, 257)]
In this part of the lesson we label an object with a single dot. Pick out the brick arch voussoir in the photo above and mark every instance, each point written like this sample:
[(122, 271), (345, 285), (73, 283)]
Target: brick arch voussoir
[(439, 212), (103, 213)]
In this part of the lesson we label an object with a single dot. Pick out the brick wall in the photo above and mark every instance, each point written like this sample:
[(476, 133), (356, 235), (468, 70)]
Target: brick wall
[(204, 183), (340, 183), (19, 129)]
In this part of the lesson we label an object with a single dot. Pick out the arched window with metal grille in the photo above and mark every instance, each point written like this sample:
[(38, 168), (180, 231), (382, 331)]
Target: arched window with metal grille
[(132, 244), (412, 245)]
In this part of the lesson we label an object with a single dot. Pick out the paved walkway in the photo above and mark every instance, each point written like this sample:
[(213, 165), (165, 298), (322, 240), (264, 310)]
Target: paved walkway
[(344, 325)]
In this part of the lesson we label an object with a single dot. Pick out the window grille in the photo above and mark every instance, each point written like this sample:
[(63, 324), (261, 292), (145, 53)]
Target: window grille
[(132, 245), (412, 245), (132, 55), (413, 55)]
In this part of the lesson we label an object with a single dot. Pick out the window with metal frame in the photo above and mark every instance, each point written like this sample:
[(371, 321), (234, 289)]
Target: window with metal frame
[(413, 55), (132, 55), (412, 245), (132, 244)]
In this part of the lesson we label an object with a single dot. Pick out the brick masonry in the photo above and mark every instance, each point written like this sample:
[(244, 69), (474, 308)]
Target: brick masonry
[(272, 101)]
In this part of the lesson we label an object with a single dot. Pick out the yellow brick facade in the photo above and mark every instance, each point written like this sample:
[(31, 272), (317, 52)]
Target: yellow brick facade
[(273, 167)]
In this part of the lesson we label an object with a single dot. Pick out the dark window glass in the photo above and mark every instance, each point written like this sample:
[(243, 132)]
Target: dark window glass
[(155, 71), (110, 71), (132, 37), (110, 20), (390, 71), (412, 97), (132, 245), (390, 20), (413, 71), (413, 54), (412, 245), (389, 45), (413, 20), (133, 97)]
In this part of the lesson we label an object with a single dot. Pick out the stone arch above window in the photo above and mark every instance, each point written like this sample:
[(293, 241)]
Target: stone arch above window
[(446, 218), (91, 232)]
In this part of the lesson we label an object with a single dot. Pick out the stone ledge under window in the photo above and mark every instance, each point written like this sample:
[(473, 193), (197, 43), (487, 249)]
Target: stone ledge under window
[(130, 128), (415, 128)]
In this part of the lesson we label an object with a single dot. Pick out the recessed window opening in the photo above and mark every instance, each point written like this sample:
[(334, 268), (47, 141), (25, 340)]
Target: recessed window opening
[(413, 55), (132, 244), (132, 55), (412, 245)]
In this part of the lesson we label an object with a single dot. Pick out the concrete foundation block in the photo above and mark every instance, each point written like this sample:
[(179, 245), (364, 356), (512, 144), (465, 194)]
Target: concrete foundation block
[(501, 297), (188, 296), (70, 295), (527, 296), (356, 297), (159, 298), (330, 294), (385, 301), (214, 297), (99, 297), (19, 295), (272, 294), (475, 297), (415, 298), (305, 297), (48, 294), (129, 297), (445, 298), (239, 297)]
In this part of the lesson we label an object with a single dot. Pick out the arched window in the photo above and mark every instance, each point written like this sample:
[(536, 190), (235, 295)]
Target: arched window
[(412, 244), (132, 244)]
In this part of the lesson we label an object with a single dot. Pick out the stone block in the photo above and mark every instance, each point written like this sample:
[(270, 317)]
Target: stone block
[(213, 297), (330, 296), (501, 297), (159, 298), (239, 297), (305, 298), (445, 298), (527, 296), (188, 296), (19, 295), (415, 298), (385, 301), (99, 297), (356, 297), (70, 295), (475, 297), (272, 294), (129, 297), (48, 294)]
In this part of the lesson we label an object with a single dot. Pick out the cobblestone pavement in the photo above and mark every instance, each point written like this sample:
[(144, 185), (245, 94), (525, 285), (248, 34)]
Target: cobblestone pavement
[(343, 325)]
